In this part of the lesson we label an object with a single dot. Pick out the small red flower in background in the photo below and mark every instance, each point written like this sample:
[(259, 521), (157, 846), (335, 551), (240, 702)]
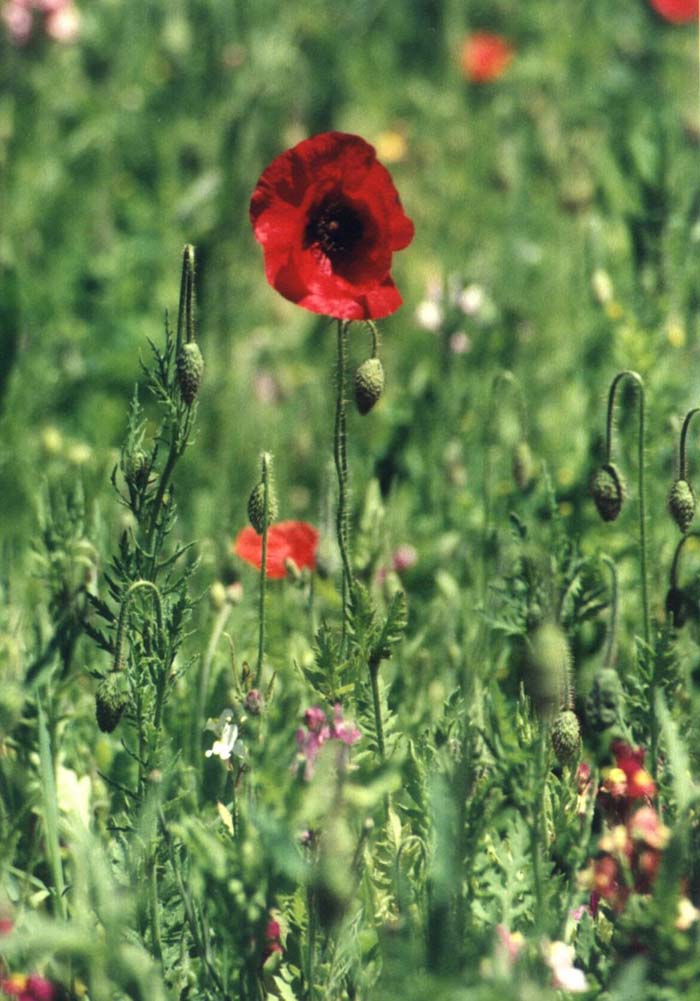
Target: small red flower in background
[(286, 540), (28, 988), (329, 219), (638, 782), (676, 11), (485, 57)]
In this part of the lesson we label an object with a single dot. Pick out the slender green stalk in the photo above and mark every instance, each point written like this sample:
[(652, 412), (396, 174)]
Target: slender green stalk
[(378, 723), (216, 632), (490, 435), (611, 635), (635, 377), (50, 814), (683, 460), (157, 944), (311, 942), (341, 466), (538, 829), (263, 566)]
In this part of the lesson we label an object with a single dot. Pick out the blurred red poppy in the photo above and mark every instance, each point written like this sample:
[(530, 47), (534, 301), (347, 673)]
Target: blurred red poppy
[(286, 540), (677, 11), (329, 219), (485, 57)]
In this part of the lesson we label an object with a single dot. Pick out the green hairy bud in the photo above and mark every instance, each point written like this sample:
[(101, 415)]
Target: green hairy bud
[(110, 702), (523, 466), (369, 384), (190, 369), (548, 680), (566, 737), (608, 491), (681, 504), (256, 506)]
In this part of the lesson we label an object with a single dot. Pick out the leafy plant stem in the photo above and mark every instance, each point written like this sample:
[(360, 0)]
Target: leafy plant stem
[(611, 635)]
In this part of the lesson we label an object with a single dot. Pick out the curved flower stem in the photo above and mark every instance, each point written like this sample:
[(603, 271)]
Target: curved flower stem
[(611, 635), (341, 467), (263, 565), (374, 331), (120, 645), (673, 574), (628, 374), (683, 462), (490, 427)]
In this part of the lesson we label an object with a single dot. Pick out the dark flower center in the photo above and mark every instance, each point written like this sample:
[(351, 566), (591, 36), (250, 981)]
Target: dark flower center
[(335, 227)]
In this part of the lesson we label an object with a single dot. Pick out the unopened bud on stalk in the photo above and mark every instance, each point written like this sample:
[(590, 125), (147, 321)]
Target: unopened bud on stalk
[(566, 737), (369, 384), (256, 502), (608, 491), (677, 607), (548, 680), (605, 703), (681, 504), (110, 702), (523, 466), (136, 468), (190, 369)]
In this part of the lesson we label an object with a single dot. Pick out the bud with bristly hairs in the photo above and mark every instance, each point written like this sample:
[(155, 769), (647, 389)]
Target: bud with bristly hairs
[(681, 504), (110, 701), (523, 466), (256, 501), (566, 737), (548, 678), (369, 384), (608, 491), (190, 370)]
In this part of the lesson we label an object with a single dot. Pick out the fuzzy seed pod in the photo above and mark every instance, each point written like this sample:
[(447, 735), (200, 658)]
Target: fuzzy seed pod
[(548, 679), (190, 369), (256, 506), (608, 491), (110, 702), (605, 703), (677, 607), (681, 504), (566, 737), (523, 466), (369, 384)]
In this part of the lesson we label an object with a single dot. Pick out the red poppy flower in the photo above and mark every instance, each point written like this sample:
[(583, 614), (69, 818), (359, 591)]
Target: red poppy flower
[(286, 540), (485, 57), (677, 11), (329, 219)]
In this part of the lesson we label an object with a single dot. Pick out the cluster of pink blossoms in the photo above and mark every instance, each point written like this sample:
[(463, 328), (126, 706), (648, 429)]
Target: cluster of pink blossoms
[(319, 730), (28, 988), (60, 19)]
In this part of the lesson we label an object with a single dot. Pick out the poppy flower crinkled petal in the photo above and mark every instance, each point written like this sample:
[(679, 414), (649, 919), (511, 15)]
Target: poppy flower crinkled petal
[(329, 219), (676, 11), (286, 540)]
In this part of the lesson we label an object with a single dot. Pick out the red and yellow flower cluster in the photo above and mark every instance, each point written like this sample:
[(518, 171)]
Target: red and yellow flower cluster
[(630, 850)]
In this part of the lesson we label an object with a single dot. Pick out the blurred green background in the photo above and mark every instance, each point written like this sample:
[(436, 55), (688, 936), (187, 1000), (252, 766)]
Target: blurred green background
[(150, 129)]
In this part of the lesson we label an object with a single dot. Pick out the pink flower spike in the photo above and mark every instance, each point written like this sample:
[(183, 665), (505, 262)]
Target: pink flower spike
[(18, 20), (314, 718)]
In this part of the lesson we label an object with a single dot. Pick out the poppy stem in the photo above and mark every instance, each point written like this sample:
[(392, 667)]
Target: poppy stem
[(635, 377), (265, 461), (374, 331), (611, 637), (683, 461), (341, 467)]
